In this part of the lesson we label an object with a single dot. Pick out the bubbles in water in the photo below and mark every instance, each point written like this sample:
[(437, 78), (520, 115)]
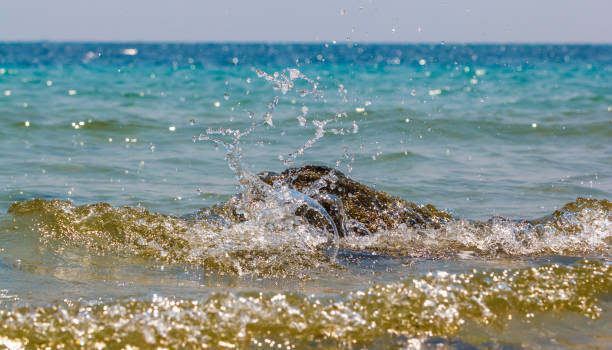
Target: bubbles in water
[(293, 73), (302, 120)]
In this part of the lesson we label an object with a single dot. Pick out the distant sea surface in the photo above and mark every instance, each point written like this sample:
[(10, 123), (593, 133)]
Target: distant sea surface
[(479, 131)]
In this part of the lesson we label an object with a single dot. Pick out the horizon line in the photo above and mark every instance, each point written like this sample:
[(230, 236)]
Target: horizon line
[(280, 42)]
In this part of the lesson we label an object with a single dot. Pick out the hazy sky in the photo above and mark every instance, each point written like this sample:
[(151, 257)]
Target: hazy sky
[(312, 20)]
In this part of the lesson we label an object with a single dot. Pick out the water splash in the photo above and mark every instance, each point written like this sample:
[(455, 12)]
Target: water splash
[(258, 199)]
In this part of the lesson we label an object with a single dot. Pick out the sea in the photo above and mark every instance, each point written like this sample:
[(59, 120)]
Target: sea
[(112, 153)]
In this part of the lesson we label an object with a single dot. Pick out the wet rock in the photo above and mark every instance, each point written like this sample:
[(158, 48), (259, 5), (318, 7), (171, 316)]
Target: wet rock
[(356, 207)]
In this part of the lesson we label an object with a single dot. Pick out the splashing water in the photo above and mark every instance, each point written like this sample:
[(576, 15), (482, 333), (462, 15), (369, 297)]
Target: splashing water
[(257, 198)]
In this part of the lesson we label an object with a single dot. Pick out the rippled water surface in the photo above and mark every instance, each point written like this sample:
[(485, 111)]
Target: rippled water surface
[(131, 212)]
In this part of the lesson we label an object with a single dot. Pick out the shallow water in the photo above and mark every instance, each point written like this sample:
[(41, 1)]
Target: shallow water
[(476, 130)]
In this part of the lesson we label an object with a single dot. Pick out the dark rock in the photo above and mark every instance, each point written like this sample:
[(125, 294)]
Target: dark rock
[(356, 207)]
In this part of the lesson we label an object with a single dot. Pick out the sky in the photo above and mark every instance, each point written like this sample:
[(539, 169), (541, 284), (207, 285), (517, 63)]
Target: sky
[(528, 21)]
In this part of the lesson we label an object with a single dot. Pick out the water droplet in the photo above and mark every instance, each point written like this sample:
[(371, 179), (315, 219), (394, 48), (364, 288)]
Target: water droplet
[(130, 52), (302, 120)]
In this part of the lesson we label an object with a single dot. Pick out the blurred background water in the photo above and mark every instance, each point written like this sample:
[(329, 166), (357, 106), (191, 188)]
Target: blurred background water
[(482, 130)]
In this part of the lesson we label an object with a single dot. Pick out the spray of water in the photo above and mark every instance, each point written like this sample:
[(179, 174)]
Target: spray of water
[(259, 199)]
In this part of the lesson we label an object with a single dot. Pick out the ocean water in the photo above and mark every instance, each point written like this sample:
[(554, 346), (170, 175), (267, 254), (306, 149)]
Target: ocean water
[(109, 152)]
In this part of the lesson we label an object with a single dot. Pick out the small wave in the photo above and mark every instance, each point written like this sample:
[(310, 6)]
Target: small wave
[(272, 245), (439, 304), (277, 243), (581, 227)]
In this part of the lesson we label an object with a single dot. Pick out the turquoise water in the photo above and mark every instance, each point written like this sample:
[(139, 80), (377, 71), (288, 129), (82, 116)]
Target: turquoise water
[(477, 130)]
